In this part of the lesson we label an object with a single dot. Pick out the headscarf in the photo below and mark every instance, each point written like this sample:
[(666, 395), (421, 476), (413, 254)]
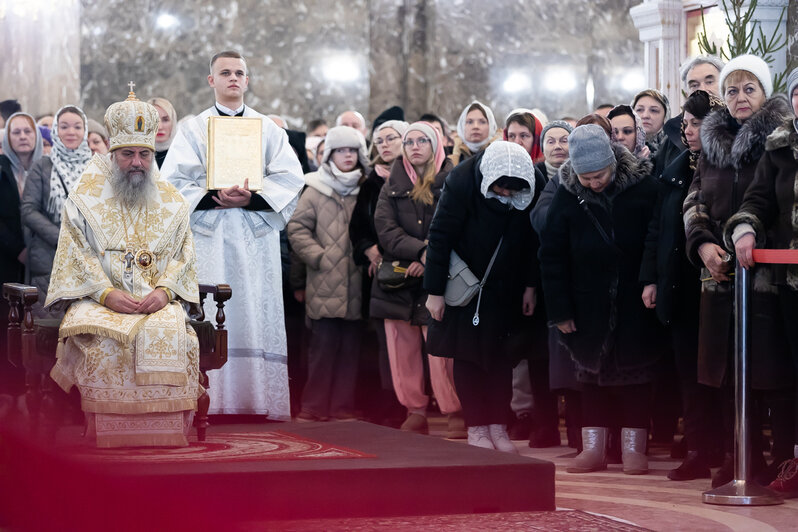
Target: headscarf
[(438, 153), (509, 159), (475, 147), (640, 133), (537, 153), (703, 103), (20, 173), (167, 106), (400, 126), (68, 165)]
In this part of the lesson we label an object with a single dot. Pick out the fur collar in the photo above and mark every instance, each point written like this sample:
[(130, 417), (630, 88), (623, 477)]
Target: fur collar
[(629, 171), (724, 144), (783, 136)]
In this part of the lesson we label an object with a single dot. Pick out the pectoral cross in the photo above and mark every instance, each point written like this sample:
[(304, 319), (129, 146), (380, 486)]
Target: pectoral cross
[(128, 260)]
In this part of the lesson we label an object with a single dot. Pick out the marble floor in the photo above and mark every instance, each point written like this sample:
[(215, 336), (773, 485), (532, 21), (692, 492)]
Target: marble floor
[(652, 501)]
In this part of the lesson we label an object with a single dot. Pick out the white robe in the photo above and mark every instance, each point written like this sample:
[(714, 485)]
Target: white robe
[(242, 248)]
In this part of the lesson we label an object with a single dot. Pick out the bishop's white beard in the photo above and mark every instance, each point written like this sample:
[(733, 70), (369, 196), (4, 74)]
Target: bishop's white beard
[(133, 187)]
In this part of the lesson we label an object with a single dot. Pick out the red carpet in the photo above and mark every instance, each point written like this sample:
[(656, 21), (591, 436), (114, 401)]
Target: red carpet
[(226, 447)]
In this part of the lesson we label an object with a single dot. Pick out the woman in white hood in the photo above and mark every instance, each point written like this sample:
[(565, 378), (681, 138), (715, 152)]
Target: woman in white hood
[(476, 128)]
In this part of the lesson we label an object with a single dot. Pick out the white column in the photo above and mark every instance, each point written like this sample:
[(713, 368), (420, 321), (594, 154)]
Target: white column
[(659, 23)]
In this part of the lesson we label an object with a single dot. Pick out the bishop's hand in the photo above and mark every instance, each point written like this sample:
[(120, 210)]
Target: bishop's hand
[(234, 197), (121, 301), (155, 301)]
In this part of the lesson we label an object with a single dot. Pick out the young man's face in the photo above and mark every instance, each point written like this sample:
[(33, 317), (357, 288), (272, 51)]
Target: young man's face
[(229, 79)]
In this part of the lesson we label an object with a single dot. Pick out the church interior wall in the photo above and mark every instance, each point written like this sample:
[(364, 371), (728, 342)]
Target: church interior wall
[(316, 58)]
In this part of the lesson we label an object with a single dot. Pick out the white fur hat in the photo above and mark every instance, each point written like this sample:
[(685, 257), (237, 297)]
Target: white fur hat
[(753, 64), (345, 137)]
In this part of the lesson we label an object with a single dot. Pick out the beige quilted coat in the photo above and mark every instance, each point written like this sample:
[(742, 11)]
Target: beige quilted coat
[(319, 234)]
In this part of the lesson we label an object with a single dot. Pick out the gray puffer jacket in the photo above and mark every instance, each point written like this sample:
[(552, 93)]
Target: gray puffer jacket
[(319, 234)]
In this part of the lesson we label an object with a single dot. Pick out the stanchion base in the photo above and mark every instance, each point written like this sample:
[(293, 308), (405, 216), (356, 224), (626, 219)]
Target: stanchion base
[(742, 493)]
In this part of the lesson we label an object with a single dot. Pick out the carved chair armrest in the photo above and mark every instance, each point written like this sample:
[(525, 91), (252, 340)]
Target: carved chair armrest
[(221, 294)]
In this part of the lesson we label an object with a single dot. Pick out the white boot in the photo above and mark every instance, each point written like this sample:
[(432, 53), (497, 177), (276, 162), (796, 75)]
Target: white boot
[(594, 451), (480, 437), (633, 442), (501, 440)]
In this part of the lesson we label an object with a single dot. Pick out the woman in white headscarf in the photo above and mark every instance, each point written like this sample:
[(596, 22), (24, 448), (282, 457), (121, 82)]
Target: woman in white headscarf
[(47, 188), (476, 128), (484, 213), (22, 147)]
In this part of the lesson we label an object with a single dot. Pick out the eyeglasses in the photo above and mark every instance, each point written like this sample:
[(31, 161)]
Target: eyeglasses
[(387, 140), (423, 141)]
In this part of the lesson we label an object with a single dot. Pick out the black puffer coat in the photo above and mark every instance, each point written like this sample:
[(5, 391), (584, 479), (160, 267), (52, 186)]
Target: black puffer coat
[(472, 225), (593, 282), (12, 240)]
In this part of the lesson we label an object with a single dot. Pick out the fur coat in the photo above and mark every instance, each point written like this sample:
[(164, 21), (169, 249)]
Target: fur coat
[(730, 153)]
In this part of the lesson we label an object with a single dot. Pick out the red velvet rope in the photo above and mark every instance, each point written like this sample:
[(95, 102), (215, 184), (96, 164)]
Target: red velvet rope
[(776, 256)]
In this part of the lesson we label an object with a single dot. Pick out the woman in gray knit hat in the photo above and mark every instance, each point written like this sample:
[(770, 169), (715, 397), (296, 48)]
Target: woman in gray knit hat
[(591, 251)]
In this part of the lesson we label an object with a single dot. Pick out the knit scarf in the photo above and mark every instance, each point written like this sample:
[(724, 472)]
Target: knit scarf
[(383, 170), (551, 171), (344, 183), (68, 165)]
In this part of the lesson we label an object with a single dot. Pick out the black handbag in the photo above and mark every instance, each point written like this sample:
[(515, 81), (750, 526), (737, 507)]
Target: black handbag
[(392, 276)]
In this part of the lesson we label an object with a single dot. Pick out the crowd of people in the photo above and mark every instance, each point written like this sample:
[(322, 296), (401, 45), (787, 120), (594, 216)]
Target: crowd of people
[(496, 272)]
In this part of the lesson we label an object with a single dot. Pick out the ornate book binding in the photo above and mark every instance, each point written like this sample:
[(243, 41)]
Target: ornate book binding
[(235, 152)]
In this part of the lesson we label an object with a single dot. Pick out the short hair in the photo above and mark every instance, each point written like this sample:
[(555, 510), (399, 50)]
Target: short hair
[(693, 62), (739, 75), (604, 106), (524, 119), (620, 110), (656, 95), (359, 116), (227, 53), (597, 119), (9, 107), (316, 123)]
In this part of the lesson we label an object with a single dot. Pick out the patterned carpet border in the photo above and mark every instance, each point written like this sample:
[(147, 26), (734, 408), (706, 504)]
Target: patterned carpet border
[(558, 521), (227, 447)]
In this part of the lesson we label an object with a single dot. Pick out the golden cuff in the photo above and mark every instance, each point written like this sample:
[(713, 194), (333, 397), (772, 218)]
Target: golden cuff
[(104, 295)]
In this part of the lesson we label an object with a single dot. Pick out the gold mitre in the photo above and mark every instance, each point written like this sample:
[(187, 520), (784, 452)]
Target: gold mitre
[(131, 123)]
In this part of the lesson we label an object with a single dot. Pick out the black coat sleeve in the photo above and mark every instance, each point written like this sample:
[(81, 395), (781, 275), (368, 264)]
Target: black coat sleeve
[(541, 208), (648, 265), (361, 227), (446, 228), (555, 260)]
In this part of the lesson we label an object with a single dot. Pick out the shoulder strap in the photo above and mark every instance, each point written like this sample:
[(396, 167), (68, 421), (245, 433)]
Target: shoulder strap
[(490, 264), (596, 223)]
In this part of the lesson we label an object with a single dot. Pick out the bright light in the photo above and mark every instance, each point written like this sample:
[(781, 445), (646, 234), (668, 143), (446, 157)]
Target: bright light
[(342, 68), (633, 81), (517, 82), (166, 21), (559, 80), (590, 92)]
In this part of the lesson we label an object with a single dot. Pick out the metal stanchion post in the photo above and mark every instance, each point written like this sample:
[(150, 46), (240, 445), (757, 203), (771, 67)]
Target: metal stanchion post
[(742, 491)]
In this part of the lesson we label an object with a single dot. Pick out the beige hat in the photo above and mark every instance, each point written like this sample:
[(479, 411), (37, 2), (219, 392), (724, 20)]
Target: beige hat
[(131, 123)]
